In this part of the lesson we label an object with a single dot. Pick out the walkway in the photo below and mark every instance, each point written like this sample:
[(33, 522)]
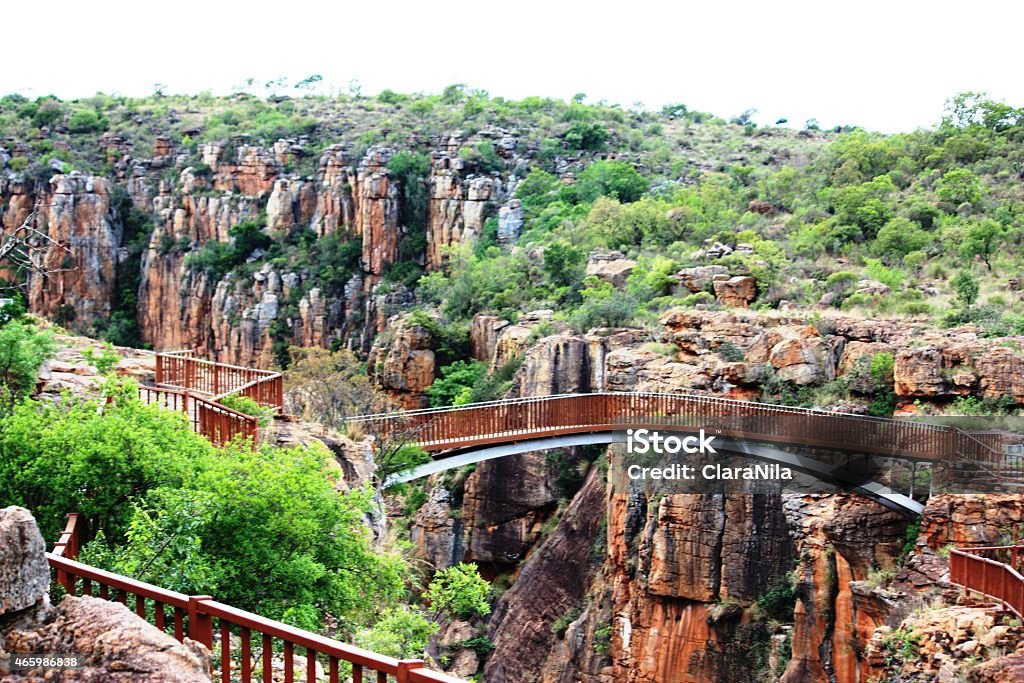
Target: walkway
[(197, 387), (462, 435), (245, 646)]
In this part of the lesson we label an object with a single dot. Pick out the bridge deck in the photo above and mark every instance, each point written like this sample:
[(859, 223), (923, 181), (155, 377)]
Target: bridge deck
[(445, 429)]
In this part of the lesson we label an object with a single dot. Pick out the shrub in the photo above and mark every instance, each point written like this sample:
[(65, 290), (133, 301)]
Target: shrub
[(603, 306), (23, 348), (966, 287), (560, 625), (459, 591), (455, 386), (105, 361), (585, 135), (86, 121), (728, 351), (248, 406), (615, 179), (18, 164)]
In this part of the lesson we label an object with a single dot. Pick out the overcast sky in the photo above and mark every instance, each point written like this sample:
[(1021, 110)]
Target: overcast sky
[(886, 66)]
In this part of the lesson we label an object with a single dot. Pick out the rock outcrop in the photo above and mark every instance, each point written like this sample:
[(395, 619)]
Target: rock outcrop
[(403, 363), (24, 572)]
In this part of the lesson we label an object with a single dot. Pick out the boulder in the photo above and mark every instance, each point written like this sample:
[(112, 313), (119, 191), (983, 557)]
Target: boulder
[(697, 279), (611, 267), (738, 291), (24, 572)]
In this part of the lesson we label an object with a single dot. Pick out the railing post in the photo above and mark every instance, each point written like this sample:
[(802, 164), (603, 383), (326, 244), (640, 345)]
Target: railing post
[(200, 625), (405, 666), (159, 369), (71, 549)]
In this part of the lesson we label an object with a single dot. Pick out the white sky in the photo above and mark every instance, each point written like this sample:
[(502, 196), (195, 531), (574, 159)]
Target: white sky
[(884, 65)]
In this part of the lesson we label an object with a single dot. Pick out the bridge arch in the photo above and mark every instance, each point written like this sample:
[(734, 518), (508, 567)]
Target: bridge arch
[(765, 453)]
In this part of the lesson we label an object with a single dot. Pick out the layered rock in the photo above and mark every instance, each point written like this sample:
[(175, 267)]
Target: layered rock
[(403, 364), (458, 204), (526, 647), (75, 212)]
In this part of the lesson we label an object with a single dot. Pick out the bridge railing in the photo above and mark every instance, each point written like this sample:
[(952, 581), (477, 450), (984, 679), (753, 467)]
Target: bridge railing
[(245, 646), (994, 572), (438, 429), (197, 387), (216, 422), (180, 370)]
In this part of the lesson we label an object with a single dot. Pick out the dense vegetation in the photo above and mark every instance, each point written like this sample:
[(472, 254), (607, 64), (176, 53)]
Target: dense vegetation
[(271, 530)]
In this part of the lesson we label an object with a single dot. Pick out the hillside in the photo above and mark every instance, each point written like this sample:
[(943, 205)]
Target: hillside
[(436, 250), (240, 226)]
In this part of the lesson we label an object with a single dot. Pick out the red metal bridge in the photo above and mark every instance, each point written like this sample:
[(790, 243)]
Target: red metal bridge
[(444, 430)]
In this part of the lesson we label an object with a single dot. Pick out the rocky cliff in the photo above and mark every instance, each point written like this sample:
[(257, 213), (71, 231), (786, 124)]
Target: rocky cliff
[(185, 201), (705, 588)]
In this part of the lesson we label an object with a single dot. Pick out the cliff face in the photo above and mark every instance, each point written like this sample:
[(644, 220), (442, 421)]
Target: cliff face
[(75, 211), (238, 318)]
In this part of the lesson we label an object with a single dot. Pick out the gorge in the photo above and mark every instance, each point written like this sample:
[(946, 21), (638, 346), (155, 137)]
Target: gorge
[(466, 248)]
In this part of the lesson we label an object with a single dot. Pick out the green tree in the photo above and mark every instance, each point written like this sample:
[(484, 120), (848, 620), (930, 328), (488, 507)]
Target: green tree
[(23, 348), (459, 591), (884, 400), (966, 287), (616, 179), (899, 237), (455, 386), (959, 186), (585, 135), (92, 457), (865, 207), (982, 239), (563, 263), (400, 632)]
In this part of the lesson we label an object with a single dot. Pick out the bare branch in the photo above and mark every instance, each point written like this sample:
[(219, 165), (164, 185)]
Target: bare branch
[(25, 249)]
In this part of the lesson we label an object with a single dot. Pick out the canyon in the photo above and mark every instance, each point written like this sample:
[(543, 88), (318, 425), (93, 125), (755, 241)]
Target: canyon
[(595, 584)]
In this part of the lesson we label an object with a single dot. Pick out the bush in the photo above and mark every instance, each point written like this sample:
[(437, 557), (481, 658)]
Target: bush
[(459, 591), (249, 406), (966, 287), (603, 306), (455, 386), (588, 136), (615, 179), (86, 121), (23, 348)]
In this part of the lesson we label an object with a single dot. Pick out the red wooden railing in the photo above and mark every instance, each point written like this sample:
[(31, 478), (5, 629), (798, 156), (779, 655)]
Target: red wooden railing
[(994, 572), (196, 387), (260, 642), (440, 429), (216, 422), (179, 370)]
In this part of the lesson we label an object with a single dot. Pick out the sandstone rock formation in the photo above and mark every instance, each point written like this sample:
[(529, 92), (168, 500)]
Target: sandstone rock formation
[(612, 267), (403, 364), (737, 291)]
